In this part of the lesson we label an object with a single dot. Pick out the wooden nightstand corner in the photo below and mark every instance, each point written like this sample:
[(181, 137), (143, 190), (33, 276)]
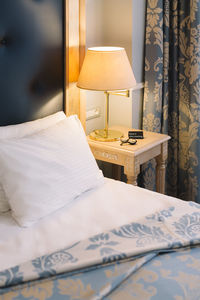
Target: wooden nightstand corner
[(131, 157)]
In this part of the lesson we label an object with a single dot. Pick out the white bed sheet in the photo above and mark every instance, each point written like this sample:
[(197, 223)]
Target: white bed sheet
[(113, 204)]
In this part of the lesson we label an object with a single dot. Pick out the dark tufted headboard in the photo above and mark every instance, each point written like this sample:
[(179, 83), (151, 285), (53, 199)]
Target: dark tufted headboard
[(31, 59)]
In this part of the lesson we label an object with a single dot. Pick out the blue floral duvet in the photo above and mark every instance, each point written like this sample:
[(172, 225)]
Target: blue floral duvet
[(156, 258)]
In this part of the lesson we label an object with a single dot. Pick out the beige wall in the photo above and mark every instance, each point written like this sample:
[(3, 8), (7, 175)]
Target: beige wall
[(117, 23), (138, 35)]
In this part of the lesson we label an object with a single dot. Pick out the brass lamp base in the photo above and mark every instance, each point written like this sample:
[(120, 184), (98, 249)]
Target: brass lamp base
[(103, 136)]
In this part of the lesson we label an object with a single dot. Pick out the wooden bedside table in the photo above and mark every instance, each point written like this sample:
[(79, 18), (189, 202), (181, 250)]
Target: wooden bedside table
[(131, 157)]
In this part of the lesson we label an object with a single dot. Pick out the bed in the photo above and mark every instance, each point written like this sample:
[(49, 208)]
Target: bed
[(66, 232)]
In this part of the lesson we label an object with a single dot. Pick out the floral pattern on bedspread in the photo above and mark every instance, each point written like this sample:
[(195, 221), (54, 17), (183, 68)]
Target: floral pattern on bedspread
[(92, 268)]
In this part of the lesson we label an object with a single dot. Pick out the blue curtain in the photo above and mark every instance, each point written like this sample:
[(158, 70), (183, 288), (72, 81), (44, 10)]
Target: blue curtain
[(172, 91)]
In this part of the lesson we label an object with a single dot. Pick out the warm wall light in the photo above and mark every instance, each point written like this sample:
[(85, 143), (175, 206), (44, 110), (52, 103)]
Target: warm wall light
[(106, 69)]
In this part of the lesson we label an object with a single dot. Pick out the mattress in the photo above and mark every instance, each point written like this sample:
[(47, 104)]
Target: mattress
[(113, 204)]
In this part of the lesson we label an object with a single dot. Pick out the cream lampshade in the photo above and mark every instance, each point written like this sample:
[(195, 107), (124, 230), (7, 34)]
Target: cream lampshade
[(106, 69)]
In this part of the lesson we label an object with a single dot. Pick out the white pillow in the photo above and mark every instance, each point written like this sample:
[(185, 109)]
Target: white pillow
[(46, 171), (21, 130)]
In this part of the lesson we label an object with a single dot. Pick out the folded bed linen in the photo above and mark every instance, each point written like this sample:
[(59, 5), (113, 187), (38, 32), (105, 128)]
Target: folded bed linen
[(156, 257), (108, 206)]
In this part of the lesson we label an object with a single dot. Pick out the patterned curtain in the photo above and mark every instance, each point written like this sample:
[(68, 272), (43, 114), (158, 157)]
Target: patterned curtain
[(172, 91)]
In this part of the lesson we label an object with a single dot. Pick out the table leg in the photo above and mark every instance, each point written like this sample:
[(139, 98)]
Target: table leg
[(160, 175), (131, 170), (160, 169), (131, 179)]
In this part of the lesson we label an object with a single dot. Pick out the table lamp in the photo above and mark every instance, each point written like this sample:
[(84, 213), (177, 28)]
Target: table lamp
[(106, 69)]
